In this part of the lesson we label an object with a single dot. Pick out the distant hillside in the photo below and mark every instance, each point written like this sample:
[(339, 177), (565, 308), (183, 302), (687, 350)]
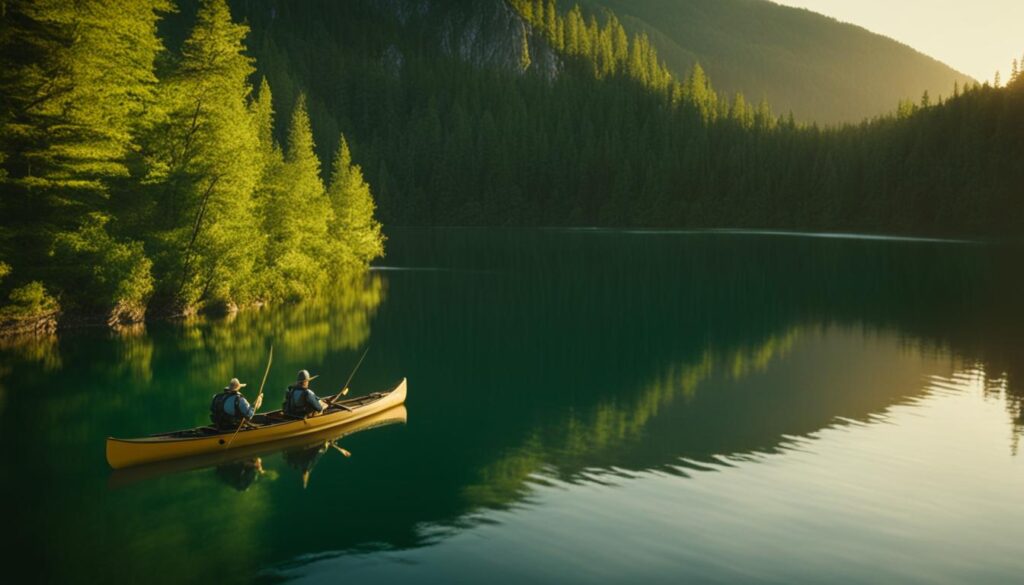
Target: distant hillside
[(506, 112), (821, 69)]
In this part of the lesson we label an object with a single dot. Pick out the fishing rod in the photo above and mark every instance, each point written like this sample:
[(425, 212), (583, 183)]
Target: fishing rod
[(344, 389)]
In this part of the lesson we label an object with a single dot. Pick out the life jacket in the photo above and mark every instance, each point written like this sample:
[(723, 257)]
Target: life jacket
[(303, 408), (219, 415)]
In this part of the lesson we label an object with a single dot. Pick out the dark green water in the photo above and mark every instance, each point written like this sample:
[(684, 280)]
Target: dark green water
[(584, 406)]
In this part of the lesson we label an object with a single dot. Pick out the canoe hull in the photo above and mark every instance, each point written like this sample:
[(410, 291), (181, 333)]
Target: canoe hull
[(123, 453), (120, 478)]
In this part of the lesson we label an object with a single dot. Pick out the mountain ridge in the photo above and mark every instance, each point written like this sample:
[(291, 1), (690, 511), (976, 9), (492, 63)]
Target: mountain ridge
[(822, 69)]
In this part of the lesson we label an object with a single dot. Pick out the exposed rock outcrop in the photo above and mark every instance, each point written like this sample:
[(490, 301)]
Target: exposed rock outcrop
[(487, 34)]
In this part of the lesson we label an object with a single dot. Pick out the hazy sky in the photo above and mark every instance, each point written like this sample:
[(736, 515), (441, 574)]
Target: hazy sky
[(976, 36)]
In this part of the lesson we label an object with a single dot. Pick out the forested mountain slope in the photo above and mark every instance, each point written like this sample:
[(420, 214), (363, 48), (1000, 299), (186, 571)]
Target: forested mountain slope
[(821, 69), (535, 114)]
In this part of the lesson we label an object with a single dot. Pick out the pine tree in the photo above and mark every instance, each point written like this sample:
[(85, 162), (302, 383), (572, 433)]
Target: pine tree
[(905, 109), (354, 224), (298, 216), (574, 31), (637, 68), (205, 158), (524, 53), (698, 93), (74, 78), (764, 119), (620, 41), (551, 24), (740, 113), (538, 14), (75, 81), (605, 52), (272, 187), (262, 109), (593, 34), (525, 9)]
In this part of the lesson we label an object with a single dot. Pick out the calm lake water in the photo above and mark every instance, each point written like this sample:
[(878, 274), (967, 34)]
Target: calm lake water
[(584, 406)]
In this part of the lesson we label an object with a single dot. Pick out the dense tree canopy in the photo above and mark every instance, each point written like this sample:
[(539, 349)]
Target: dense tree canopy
[(138, 177), (353, 208)]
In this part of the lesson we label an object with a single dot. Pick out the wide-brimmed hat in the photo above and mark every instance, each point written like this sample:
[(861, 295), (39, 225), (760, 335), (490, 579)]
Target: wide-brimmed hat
[(234, 384), (304, 376)]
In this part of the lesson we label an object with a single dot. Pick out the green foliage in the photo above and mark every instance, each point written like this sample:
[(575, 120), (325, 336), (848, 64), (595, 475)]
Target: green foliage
[(30, 301), (75, 81), (271, 189), (124, 188), (297, 216), (103, 272), (167, 186), (75, 76), (354, 225), (448, 143), (449, 138), (203, 166), (698, 93), (1016, 74), (607, 49), (524, 54)]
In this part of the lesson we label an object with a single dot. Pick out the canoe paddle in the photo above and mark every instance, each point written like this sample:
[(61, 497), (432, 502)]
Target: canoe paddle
[(344, 389), (344, 452), (270, 358)]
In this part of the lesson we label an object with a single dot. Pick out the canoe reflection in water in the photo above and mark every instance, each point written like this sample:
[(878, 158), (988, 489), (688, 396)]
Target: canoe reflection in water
[(304, 460), (240, 468), (241, 474)]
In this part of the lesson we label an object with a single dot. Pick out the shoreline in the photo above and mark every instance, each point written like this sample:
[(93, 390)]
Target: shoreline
[(54, 322)]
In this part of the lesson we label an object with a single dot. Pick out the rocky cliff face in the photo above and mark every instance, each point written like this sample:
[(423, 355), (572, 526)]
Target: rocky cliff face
[(488, 34)]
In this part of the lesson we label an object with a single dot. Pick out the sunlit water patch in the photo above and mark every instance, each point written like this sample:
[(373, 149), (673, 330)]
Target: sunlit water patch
[(912, 495)]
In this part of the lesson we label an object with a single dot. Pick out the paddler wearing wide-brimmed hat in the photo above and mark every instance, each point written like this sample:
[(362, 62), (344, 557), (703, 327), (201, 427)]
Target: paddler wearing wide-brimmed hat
[(229, 408), (299, 400)]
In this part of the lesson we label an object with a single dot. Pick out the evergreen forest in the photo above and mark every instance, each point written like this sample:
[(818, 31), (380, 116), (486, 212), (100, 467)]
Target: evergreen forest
[(533, 113), (137, 178), (824, 70), (162, 159)]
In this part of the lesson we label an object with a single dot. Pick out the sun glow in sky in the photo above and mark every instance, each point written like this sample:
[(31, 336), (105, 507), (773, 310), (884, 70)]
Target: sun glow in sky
[(976, 37)]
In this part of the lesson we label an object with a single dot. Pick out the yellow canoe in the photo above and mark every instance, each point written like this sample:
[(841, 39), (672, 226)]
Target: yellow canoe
[(273, 426), (120, 478)]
